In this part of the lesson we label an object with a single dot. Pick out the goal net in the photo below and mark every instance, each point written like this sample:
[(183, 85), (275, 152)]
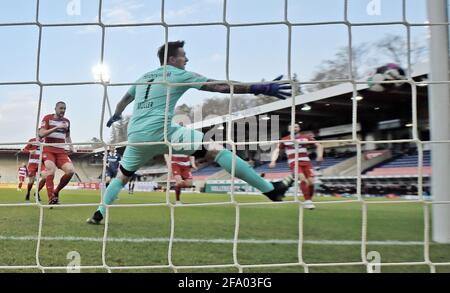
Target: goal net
[(367, 258)]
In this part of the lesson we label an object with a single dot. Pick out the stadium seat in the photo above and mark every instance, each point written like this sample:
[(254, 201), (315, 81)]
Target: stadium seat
[(403, 165)]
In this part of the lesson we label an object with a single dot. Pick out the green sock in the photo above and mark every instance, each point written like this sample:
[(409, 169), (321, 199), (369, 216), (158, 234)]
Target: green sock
[(243, 171), (114, 187)]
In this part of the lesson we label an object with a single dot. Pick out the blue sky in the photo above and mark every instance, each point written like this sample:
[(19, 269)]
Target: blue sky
[(69, 53)]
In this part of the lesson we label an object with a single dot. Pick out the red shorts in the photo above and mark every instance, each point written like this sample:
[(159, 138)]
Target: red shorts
[(21, 178), (58, 158), (305, 168), (184, 172), (33, 168)]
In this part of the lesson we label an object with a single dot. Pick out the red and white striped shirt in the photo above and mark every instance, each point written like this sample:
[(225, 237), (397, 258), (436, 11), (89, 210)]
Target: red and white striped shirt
[(181, 160), (302, 149), (22, 172), (59, 136), (34, 156)]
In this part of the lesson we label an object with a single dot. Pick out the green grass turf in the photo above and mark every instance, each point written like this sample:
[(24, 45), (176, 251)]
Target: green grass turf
[(334, 222)]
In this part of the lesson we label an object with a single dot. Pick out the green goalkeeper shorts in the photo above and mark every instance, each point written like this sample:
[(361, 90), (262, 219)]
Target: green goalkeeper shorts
[(135, 157)]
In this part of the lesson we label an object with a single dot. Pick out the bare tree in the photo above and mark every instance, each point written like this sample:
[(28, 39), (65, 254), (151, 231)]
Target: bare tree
[(219, 106), (184, 109), (395, 47), (96, 142), (339, 67), (366, 57)]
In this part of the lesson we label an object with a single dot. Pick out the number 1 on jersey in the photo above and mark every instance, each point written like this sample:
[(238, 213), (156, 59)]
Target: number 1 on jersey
[(148, 89)]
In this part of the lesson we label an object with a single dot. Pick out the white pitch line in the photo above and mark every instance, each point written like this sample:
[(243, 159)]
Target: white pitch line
[(216, 241)]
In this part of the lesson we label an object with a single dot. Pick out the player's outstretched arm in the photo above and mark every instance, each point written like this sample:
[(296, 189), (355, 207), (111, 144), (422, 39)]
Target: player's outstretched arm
[(319, 150), (192, 159), (225, 88), (26, 150), (69, 140), (281, 90), (123, 103), (274, 157)]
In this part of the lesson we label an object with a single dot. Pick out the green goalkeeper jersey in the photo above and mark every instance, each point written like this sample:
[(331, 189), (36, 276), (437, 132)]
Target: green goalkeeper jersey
[(147, 121)]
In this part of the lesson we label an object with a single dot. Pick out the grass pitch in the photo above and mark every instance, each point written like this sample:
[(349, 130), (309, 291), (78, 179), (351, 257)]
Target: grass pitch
[(268, 234)]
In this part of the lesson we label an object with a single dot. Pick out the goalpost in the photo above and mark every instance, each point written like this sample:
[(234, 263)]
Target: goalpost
[(439, 109), (439, 106)]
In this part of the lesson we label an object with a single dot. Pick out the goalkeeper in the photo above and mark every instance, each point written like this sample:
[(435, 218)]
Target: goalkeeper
[(148, 119)]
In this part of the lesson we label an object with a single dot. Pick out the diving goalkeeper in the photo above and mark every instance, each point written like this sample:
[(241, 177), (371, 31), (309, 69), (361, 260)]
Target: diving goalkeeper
[(148, 119)]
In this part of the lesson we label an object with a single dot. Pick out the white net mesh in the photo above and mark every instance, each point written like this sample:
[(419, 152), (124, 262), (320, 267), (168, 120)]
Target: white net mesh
[(365, 257)]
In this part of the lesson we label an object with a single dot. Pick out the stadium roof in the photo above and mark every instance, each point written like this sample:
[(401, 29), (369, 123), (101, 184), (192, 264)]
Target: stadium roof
[(332, 106)]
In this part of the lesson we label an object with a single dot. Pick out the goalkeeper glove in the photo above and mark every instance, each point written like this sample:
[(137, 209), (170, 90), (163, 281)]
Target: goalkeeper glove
[(281, 91), (113, 119)]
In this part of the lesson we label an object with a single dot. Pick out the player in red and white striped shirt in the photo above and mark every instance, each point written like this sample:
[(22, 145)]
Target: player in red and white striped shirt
[(22, 172), (305, 168), (55, 128), (181, 172), (33, 165)]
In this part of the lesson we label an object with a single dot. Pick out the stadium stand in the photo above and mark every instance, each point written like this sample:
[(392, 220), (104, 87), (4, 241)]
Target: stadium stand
[(157, 171), (384, 174), (282, 168), (373, 186), (203, 173), (396, 176), (214, 172), (8, 167), (404, 164), (86, 170)]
